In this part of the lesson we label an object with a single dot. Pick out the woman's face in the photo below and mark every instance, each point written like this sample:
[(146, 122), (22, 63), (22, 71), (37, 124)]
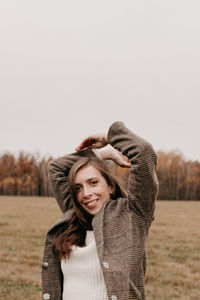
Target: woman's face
[(92, 190)]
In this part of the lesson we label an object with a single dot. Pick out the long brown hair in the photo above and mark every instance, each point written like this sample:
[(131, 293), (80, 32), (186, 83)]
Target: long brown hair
[(81, 221)]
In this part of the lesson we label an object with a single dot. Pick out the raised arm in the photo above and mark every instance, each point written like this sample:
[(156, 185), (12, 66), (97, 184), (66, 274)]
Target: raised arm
[(58, 170), (142, 181)]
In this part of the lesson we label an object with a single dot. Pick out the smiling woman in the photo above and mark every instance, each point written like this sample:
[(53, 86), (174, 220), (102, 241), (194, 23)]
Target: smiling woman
[(97, 249), (92, 184), (92, 190)]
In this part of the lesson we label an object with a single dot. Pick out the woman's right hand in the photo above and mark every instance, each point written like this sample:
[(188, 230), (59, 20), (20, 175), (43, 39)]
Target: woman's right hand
[(93, 141)]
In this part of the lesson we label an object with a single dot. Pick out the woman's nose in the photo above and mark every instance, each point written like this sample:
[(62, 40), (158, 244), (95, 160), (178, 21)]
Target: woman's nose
[(86, 192)]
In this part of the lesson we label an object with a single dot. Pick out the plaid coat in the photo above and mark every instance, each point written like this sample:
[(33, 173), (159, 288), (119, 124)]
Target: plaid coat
[(120, 227)]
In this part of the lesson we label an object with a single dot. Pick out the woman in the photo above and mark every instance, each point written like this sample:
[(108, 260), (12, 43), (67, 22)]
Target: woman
[(96, 251)]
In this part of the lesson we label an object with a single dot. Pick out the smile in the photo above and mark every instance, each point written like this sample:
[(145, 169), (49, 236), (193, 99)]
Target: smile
[(91, 204)]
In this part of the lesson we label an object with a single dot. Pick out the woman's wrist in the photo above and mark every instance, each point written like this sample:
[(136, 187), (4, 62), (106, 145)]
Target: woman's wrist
[(104, 153)]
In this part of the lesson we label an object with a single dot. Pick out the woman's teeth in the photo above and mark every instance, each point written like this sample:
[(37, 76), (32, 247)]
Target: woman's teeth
[(91, 203)]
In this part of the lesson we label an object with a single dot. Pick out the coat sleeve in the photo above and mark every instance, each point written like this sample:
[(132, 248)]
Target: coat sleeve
[(142, 181), (58, 171)]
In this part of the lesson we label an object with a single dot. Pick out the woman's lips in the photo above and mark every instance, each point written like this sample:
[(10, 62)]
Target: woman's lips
[(91, 204)]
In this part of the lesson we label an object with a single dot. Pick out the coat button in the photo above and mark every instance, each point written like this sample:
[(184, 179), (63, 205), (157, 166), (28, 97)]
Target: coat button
[(45, 265), (113, 297), (46, 296), (106, 264)]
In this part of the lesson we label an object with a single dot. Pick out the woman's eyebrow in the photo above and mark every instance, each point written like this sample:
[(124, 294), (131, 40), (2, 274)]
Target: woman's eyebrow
[(88, 180), (92, 178)]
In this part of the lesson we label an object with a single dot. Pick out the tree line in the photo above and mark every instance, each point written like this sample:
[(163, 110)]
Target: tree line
[(179, 179), (24, 175)]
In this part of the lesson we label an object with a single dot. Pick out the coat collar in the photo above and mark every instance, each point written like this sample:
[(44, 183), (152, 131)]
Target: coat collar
[(97, 224)]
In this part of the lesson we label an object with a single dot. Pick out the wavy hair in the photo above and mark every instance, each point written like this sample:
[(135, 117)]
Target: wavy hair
[(81, 221)]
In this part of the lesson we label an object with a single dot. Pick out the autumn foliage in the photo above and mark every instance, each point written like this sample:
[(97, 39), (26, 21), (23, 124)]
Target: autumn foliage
[(23, 175), (179, 179)]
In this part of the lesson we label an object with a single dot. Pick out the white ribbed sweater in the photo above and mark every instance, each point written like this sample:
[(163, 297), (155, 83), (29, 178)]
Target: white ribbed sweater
[(83, 276)]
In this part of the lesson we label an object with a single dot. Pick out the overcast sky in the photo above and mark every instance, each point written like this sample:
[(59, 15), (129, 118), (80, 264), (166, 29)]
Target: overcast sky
[(71, 68)]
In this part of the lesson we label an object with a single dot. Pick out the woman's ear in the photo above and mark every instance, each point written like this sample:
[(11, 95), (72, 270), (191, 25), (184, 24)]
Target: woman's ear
[(111, 190)]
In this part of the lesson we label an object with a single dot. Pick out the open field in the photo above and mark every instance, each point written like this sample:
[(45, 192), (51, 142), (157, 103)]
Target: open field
[(173, 270)]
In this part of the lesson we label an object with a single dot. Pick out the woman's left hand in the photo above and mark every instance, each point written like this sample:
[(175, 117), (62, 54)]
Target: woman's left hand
[(93, 141), (116, 156)]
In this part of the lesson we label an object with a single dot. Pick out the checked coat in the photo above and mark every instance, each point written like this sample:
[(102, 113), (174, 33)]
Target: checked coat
[(120, 227)]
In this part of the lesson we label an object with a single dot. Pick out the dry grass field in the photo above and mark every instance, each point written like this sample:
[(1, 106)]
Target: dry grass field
[(173, 270)]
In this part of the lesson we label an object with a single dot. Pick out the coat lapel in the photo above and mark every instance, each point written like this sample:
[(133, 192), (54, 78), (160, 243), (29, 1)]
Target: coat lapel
[(97, 224)]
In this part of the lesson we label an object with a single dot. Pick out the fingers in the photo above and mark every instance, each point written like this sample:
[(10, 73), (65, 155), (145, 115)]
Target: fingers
[(126, 164), (86, 143), (91, 146), (91, 142), (123, 163)]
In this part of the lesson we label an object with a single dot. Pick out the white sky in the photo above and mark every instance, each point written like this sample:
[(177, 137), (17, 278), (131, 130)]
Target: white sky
[(71, 68)]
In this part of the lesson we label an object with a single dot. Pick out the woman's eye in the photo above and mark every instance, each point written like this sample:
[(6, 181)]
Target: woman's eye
[(78, 188), (93, 182)]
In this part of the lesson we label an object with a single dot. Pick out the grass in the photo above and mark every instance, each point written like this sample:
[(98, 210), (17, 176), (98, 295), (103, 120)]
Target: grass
[(173, 269), (174, 262)]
